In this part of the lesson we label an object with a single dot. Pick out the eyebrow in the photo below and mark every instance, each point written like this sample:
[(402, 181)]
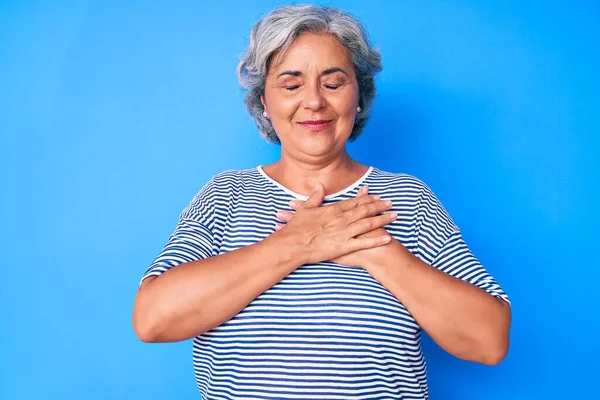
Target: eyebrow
[(328, 71)]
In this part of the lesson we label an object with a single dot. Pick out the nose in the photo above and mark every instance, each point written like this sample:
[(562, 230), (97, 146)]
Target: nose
[(313, 99)]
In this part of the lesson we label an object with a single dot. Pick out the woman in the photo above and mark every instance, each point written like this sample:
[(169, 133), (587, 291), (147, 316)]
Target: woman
[(312, 277)]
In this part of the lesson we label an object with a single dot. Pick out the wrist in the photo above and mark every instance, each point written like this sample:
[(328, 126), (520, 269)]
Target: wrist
[(287, 247), (374, 260), (381, 257)]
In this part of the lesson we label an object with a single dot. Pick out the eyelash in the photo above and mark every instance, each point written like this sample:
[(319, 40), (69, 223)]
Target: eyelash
[(330, 87)]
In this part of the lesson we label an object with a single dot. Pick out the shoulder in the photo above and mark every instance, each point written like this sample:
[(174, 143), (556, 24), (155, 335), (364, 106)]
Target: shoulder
[(398, 183), (219, 189), (226, 179), (410, 191), (233, 179)]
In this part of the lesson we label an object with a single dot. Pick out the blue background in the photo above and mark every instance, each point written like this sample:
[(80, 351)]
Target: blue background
[(113, 114)]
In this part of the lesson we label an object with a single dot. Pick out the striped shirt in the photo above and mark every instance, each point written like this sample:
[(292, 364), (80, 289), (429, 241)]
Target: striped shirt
[(326, 331)]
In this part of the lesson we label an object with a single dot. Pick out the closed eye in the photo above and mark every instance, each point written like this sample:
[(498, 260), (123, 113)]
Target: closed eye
[(292, 88), (332, 87)]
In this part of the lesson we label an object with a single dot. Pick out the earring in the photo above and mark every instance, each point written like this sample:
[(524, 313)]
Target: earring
[(265, 114), (358, 109)]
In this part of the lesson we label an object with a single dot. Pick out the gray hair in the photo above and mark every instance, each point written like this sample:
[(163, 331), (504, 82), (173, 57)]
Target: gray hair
[(276, 32)]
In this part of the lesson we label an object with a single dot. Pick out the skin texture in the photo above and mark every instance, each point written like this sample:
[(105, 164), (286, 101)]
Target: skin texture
[(314, 80), (461, 318), (194, 297)]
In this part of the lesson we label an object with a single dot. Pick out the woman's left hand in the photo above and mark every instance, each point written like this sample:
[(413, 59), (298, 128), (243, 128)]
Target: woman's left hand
[(355, 259)]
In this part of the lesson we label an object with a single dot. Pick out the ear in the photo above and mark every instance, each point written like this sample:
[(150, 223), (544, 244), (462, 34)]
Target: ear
[(265, 112)]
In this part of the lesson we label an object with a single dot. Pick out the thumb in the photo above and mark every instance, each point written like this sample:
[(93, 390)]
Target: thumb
[(316, 198), (363, 191)]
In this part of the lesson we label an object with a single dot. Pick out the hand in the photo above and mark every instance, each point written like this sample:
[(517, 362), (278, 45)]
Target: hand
[(350, 217), (361, 258)]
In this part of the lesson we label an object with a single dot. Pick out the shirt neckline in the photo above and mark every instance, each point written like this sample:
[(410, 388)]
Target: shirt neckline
[(298, 196)]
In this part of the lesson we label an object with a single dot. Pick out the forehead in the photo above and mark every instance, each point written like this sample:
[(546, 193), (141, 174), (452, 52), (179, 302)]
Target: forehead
[(312, 50)]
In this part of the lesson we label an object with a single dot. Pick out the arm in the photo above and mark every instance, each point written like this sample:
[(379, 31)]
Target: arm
[(194, 297), (463, 319)]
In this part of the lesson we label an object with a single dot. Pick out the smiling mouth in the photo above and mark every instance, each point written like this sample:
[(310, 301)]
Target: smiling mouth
[(316, 126)]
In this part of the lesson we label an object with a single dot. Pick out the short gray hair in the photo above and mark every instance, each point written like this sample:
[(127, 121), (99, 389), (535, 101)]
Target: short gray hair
[(276, 32)]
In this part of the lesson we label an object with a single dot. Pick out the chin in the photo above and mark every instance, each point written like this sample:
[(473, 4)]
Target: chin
[(317, 144), (320, 148)]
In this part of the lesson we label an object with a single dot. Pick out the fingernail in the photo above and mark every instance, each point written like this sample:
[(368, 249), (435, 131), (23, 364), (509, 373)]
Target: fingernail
[(388, 203), (318, 186), (376, 196), (393, 215)]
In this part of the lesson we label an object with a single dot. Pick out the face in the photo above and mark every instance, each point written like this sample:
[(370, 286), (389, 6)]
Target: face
[(311, 96)]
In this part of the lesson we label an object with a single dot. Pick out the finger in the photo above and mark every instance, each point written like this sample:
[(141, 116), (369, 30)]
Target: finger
[(278, 227), (355, 202), (368, 243), (296, 204), (363, 191), (368, 210), (316, 198), (370, 224), (284, 215)]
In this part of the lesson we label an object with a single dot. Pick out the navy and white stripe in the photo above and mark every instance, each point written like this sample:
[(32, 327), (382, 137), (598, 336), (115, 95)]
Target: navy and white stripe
[(326, 331)]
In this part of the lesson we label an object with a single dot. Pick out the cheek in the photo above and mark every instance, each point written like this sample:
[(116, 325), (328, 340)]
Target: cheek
[(280, 106), (287, 107), (345, 103), (344, 107)]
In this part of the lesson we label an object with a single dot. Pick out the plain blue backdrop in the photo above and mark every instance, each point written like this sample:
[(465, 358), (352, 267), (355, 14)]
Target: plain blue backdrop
[(113, 114)]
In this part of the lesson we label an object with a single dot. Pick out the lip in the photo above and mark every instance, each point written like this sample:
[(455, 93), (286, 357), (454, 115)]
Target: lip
[(316, 125)]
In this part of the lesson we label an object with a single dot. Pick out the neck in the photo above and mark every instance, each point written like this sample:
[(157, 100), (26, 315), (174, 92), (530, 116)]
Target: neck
[(301, 176)]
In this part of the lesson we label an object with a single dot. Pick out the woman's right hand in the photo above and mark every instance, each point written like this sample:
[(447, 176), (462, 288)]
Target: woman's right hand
[(323, 233)]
